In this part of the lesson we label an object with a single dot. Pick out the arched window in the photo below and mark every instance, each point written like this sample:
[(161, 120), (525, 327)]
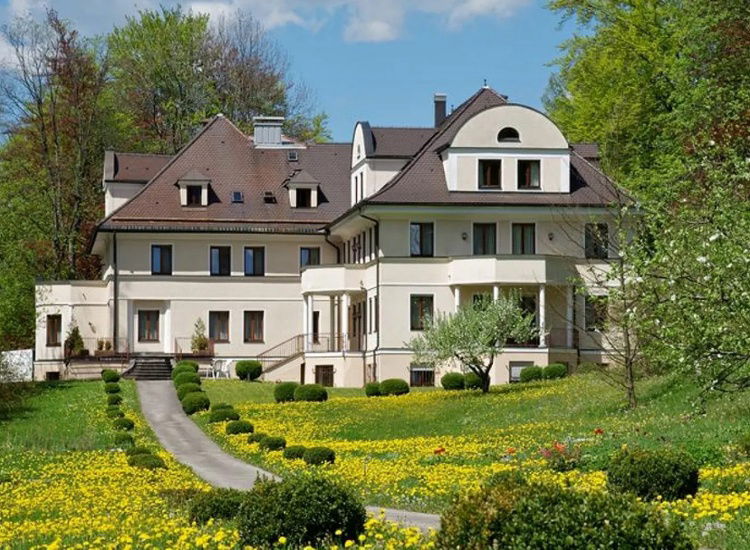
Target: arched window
[(508, 134)]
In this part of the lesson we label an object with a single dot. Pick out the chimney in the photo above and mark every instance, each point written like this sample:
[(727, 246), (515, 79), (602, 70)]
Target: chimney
[(439, 109), (267, 131)]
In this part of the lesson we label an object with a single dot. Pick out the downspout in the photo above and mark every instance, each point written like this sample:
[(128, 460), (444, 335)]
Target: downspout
[(116, 304), (377, 288), (338, 251)]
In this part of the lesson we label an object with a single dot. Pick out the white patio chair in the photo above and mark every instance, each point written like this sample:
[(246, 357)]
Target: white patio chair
[(217, 365)]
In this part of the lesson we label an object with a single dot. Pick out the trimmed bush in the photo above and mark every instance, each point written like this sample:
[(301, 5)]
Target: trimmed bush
[(256, 437), (666, 473), (187, 363), (239, 427), (114, 412), (138, 451), (248, 370), (108, 375), (319, 455), (194, 402), (114, 399), (472, 381), (124, 424), (510, 513), (185, 389), (147, 461), (294, 451), (284, 392), (215, 504), (372, 389), (529, 374), (310, 392), (218, 406), (554, 371), (394, 386), (272, 443), (453, 381), (187, 378), (124, 440), (305, 509), (223, 415), (182, 369), (112, 387)]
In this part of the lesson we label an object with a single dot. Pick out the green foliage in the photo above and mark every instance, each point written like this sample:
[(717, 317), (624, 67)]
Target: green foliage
[(272, 443), (310, 392), (194, 402), (472, 381), (284, 392), (743, 444), (531, 374), (187, 388), (114, 412), (125, 424), (108, 375), (561, 457), (511, 513), (394, 386), (304, 509), (372, 389), (74, 345), (112, 387), (124, 440), (114, 399), (182, 369), (218, 406), (554, 371), (216, 504), (649, 474), (186, 378), (316, 456), (223, 415), (146, 461), (239, 427), (256, 437), (187, 363), (138, 451), (453, 381), (249, 370), (294, 452)]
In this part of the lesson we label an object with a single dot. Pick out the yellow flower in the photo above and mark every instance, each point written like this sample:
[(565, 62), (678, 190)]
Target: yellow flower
[(282, 540)]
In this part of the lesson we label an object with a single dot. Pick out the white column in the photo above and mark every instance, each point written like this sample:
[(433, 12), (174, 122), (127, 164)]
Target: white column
[(569, 317), (344, 322), (457, 297), (332, 324), (310, 324), (495, 292), (305, 328), (542, 299)]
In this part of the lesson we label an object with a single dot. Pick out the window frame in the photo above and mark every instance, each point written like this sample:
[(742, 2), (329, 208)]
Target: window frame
[(590, 307), (301, 248), (57, 342), (484, 186), (520, 365), (246, 333), (590, 252), (493, 225), (414, 301), (417, 368), (307, 192), (171, 259), (210, 260), (212, 318), (513, 225), (144, 337), (422, 253), (188, 195), (520, 187), (254, 248)]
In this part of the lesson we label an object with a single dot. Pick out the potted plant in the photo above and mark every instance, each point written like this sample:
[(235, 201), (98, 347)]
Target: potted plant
[(199, 341)]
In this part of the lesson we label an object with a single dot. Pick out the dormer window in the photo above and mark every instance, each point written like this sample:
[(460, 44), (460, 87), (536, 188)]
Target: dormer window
[(193, 189), (528, 174), (508, 134), (304, 198), (303, 190), (194, 195), (490, 174)]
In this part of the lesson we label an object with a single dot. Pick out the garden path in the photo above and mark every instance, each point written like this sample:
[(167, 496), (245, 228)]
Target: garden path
[(186, 441)]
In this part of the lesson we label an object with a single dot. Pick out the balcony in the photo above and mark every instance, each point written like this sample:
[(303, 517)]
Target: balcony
[(333, 279), (511, 269)]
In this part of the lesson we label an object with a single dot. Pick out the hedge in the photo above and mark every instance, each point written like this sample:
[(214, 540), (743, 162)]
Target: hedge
[(248, 370), (310, 392), (112, 387), (194, 402), (294, 451), (272, 443), (124, 424), (472, 381), (147, 461), (665, 473), (185, 389), (186, 378), (319, 455), (372, 389), (453, 381), (108, 375), (554, 371), (529, 374), (284, 391), (394, 386), (256, 437), (215, 504), (223, 415), (239, 427)]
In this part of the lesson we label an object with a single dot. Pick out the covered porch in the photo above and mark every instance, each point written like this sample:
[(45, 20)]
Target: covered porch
[(351, 321)]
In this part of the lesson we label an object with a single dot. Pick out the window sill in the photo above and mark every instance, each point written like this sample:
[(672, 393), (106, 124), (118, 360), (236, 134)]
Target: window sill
[(254, 341), (148, 341), (161, 274), (53, 345)]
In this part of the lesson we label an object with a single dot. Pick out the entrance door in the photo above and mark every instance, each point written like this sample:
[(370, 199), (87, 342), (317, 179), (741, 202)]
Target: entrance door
[(324, 375)]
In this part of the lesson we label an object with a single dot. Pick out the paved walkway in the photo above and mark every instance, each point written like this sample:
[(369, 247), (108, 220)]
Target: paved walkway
[(191, 446)]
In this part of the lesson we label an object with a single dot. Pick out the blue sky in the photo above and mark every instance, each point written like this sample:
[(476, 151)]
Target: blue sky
[(379, 60)]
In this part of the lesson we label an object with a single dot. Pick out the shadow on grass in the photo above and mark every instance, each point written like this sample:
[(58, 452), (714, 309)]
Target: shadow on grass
[(14, 397)]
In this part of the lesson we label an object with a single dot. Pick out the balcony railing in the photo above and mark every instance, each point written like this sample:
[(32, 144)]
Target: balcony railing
[(98, 348), (183, 346)]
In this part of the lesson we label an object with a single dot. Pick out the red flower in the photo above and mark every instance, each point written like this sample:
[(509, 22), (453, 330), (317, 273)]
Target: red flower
[(598, 431), (559, 447), (439, 451), (510, 451)]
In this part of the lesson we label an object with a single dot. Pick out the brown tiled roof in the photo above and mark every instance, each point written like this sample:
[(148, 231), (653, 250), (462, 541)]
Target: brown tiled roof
[(132, 167), (222, 154), (398, 142)]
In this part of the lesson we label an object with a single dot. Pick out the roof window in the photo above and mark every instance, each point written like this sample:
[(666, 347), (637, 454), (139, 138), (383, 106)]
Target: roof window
[(508, 134), (292, 156)]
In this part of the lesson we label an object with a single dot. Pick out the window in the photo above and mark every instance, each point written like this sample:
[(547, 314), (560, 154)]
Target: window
[(324, 375), (490, 174), (161, 259), (421, 311), (528, 174), (516, 367), (148, 325), (421, 376), (595, 313), (421, 239), (220, 260), (508, 134), (309, 256), (485, 239), (194, 195), (597, 240), (54, 330), (255, 259), (316, 327), (292, 156), (304, 198), (218, 326), (524, 237), (253, 331), (238, 196)]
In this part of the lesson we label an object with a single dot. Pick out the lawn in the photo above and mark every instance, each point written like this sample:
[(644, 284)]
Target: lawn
[(417, 451)]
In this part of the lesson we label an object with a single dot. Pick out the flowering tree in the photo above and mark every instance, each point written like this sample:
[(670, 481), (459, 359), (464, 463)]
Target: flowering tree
[(475, 335)]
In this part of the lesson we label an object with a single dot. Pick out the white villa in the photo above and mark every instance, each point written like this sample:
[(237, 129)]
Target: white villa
[(324, 260)]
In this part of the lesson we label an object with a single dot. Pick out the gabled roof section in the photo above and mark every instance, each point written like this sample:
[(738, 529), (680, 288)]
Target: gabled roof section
[(132, 167), (194, 175), (301, 177), (391, 142)]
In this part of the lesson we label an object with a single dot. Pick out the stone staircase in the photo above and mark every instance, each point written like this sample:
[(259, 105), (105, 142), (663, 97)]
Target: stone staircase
[(150, 368)]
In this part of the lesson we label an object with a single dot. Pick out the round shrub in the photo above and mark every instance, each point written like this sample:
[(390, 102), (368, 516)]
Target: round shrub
[(529, 374), (239, 427), (114, 412), (178, 370), (256, 437), (185, 389), (138, 451), (147, 461), (472, 381), (310, 392), (215, 504), (218, 406), (124, 424), (194, 402), (294, 451), (394, 386), (666, 473), (114, 399), (272, 443), (305, 509), (108, 375), (284, 392), (510, 513), (124, 440), (453, 381), (319, 455), (223, 415), (187, 378), (187, 363), (554, 371), (112, 387), (248, 370), (372, 389)]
